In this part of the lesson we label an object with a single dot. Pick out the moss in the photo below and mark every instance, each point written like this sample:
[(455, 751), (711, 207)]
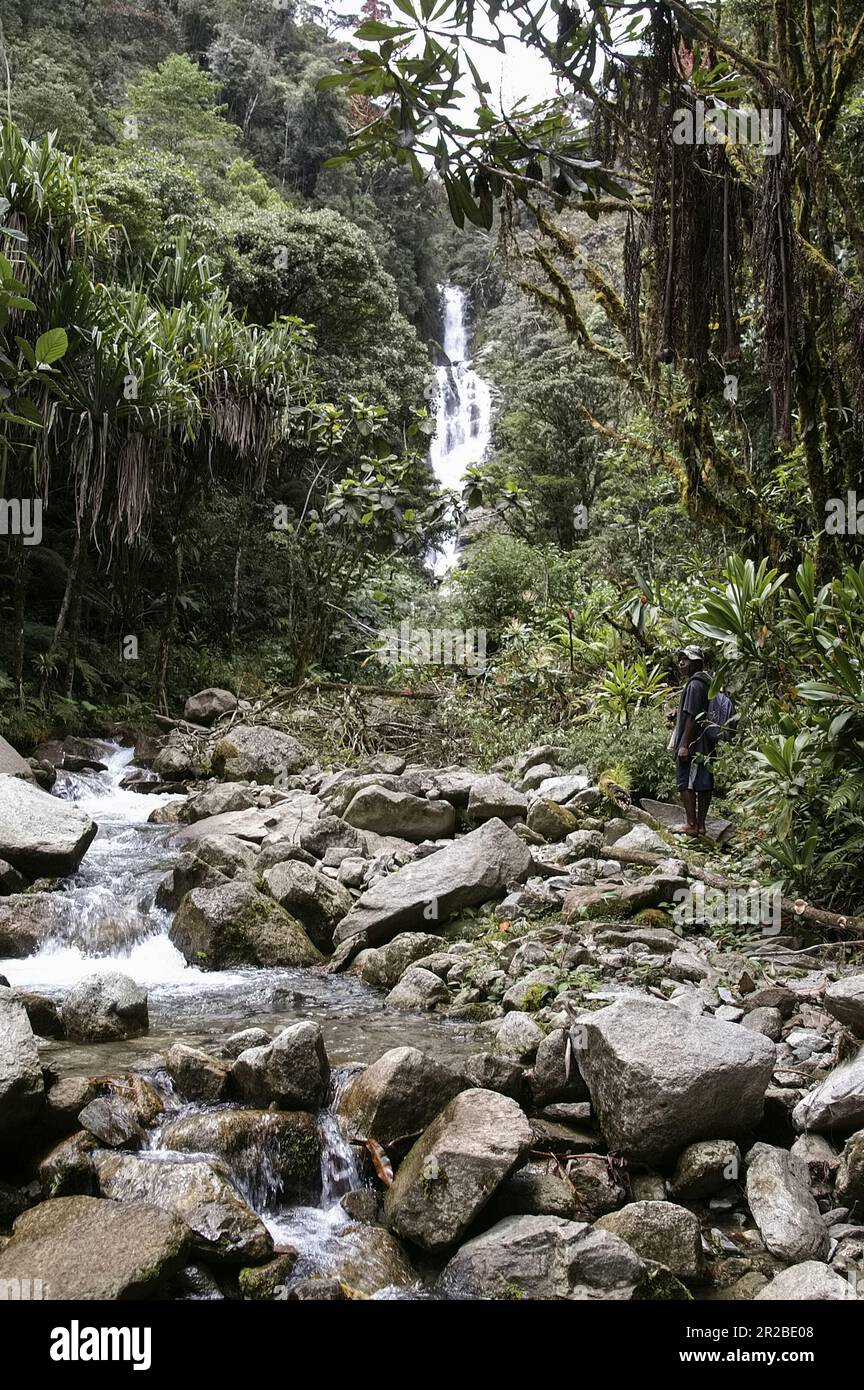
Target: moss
[(512, 1291), (653, 917), (221, 754), (659, 1285), (535, 997)]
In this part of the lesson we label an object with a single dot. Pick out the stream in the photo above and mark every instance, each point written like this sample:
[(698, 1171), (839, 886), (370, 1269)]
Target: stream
[(107, 920)]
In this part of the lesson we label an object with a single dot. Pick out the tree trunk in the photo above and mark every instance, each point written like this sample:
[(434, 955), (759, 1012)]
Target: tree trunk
[(166, 635)]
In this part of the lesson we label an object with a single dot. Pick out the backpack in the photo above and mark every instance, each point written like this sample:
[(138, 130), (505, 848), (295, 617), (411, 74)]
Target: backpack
[(721, 720)]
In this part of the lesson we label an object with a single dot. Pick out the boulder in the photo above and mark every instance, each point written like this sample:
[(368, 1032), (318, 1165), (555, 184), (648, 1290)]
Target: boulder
[(265, 825), (90, 1248), (810, 1282), (12, 764), (556, 1074), (705, 1168), (550, 820), (783, 1207), (208, 705), (659, 1079), (563, 789), (67, 1170), (105, 1008), (40, 835), (837, 1102), (330, 832), (218, 801), (385, 965), (534, 1192), (112, 1120), (197, 1075), (312, 898), (545, 1257), (271, 1154), (518, 1037), (493, 1073), (246, 1038), (449, 1175), (475, 869), (257, 753), (339, 791), (42, 1012), (27, 922), (849, 1187), (398, 1096), (619, 899), (491, 798), (224, 1228), (844, 1000), (367, 1258), (398, 813), (22, 1090), (660, 1231), (234, 924), (291, 1072), (643, 838), (419, 990)]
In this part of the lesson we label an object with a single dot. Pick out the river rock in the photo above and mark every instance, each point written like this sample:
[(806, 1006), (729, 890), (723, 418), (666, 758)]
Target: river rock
[(368, 1258), (534, 1192), (849, 1187), (234, 924), (225, 1229), (550, 820), (22, 1090), (837, 1102), (331, 832), (455, 1167), (491, 798), (810, 1282), (42, 1012), (418, 990), (660, 1231), (545, 1257), (246, 1038), (313, 899), (264, 825), (556, 1074), (40, 835), (398, 1096), (262, 1148), (291, 1072), (197, 1075), (783, 1207), (563, 789), (106, 1007), (475, 869), (67, 1169), (705, 1168), (491, 1073), (844, 1000), (217, 801), (208, 705), (27, 921), (659, 1079), (385, 965), (518, 1037), (257, 753), (398, 813), (90, 1248), (112, 1120), (12, 764), (614, 901)]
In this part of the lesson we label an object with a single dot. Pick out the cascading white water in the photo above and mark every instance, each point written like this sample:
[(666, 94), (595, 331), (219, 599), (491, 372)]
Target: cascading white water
[(464, 414)]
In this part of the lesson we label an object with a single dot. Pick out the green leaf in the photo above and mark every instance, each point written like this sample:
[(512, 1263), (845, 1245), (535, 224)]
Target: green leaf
[(51, 346)]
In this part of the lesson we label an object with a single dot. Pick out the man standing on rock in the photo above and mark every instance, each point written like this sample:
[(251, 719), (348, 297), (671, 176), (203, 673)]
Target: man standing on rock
[(690, 744)]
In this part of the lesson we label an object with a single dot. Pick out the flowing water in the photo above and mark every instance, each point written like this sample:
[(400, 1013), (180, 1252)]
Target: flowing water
[(464, 415), (106, 919)]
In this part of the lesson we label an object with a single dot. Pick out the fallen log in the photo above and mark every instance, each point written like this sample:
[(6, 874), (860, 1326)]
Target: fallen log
[(793, 911)]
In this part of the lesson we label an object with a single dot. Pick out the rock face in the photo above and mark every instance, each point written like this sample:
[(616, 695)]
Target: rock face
[(455, 1167), (233, 924), (105, 1008), (292, 1071), (21, 1085), (256, 753), (89, 1248), (783, 1207), (660, 1231), (659, 1080), (398, 813), (311, 897), (845, 1000), (224, 1227), (473, 870), (208, 705), (398, 1095), (40, 835), (837, 1103), (545, 1257)]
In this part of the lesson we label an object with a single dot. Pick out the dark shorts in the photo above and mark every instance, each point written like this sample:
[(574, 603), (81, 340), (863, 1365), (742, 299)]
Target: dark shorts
[(694, 775)]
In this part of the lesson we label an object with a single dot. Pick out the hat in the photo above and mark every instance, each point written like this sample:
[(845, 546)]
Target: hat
[(693, 653)]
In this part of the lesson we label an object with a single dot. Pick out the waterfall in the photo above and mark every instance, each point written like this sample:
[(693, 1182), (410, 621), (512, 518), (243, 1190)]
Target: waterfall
[(464, 414)]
